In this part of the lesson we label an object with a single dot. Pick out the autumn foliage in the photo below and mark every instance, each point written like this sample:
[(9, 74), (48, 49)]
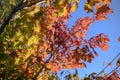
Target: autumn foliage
[(37, 43)]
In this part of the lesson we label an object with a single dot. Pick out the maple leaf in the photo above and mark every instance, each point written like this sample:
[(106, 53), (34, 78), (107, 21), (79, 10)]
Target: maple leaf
[(105, 48), (45, 32)]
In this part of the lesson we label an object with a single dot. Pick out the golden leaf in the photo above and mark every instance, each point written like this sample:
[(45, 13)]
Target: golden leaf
[(74, 7), (63, 12), (32, 40), (49, 65), (37, 26), (36, 10), (107, 2)]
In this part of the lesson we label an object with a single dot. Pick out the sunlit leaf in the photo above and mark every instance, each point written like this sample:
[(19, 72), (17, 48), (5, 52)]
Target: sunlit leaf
[(35, 10), (37, 39), (37, 26), (88, 7), (105, 48), (107, 2), (63, 12), (74, 7), (32, 40)]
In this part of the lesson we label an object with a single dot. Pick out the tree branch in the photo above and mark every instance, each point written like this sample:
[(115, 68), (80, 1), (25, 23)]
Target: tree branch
[(112, 71), (108, 64), (37, 74), (35, 2), (7, 19), (18, 7)]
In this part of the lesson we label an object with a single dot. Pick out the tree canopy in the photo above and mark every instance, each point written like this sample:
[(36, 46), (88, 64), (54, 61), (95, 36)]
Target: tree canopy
[(35, 41)]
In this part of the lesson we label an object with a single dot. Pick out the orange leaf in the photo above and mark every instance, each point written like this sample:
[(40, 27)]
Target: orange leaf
[(49, 65), (107, 2), (29, 70), (118, 78), (45, 55), (98, 6), (119, 39), (105, 48)]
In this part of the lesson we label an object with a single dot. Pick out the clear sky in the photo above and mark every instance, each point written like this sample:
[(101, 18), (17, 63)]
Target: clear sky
[(111, 27)]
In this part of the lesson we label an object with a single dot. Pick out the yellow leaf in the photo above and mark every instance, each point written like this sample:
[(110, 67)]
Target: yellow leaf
[(50, 27), (21, 38), (12, 2), (17, 60), (60, 2), (48, 2), (74, 7), (31, 50), (35, 10), (89, 6), (63, 12), (32, 40), (26, 56), (18, 33), (37, 26)]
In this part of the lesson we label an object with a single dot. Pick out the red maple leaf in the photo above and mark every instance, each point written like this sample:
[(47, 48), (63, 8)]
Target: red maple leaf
[(105, 48)]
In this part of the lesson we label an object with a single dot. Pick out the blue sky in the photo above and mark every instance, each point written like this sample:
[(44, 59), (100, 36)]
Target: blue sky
[(111, 27)]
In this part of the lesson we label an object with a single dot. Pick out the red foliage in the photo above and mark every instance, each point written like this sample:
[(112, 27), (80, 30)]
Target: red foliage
[(68, 46), (113, 76)]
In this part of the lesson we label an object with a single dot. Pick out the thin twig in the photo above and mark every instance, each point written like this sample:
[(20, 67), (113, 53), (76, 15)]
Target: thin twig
[(112, 71), (29, 5), (108, 64)]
